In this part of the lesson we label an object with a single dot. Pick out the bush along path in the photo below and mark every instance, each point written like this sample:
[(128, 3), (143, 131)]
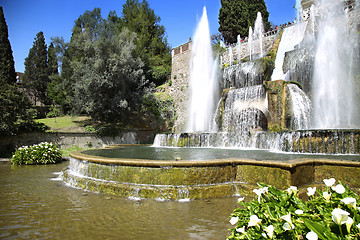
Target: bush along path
[(42, 153)]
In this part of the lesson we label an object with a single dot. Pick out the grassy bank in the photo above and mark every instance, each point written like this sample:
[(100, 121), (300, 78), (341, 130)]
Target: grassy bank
[(66, 123)]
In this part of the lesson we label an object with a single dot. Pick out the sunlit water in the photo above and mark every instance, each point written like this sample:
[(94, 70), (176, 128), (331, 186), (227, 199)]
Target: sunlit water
[(36, 206), (185, 153)]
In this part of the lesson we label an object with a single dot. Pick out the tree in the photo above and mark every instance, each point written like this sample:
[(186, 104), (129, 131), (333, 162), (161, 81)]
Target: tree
[(7, 69), (151, 44), (36, 76), (52, 61), (236, 17)]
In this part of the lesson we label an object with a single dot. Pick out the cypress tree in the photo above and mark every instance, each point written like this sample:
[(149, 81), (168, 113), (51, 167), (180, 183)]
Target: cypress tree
[(7, 69), (52, 61), (236, 16), (36, 76)]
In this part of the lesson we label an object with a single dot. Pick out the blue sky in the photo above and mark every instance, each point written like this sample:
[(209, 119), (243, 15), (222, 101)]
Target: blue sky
[(25, 18)]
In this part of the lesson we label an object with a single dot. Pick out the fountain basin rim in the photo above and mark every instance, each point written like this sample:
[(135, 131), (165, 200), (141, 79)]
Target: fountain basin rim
[(211, 162)]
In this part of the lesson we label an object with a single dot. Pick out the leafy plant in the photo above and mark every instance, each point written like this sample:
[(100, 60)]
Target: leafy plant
[(42, 153), (276, 214)]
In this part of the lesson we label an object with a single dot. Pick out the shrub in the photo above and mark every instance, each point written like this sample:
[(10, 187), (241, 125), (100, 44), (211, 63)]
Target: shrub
[(43, 153), (275, 214)]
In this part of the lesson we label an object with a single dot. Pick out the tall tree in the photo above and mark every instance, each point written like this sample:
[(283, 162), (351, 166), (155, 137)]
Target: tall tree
[(152, 45), (52, 61), (7, 69), (236, 17), (36, 76)]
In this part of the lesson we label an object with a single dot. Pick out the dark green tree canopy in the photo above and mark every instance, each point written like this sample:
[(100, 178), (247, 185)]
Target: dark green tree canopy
[(236, 17), (151, 45), (7, 69), (36, 76), (52, 61)]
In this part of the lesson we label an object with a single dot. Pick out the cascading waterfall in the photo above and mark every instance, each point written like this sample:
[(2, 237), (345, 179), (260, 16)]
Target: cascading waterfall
[(301, 107), (290, 38), (231, 58), (203, 75), (333, 105)]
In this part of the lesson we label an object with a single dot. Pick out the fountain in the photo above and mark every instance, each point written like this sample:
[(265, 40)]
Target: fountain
[(334, 101), (203, 75), (230, 146)]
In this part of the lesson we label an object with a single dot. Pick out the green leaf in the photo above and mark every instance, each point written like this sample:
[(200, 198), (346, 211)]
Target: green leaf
[(320, 229)]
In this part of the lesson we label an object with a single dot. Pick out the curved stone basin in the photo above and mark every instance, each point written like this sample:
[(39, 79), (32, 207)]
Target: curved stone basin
[(193, 179)]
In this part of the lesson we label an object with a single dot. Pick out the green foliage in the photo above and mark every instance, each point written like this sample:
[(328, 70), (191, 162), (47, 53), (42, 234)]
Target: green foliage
[(151, 44), (43, 153), (54, 112), (52, 61), (7, 69), (16, 112), (277, 214), (236, 16), (36, 76)]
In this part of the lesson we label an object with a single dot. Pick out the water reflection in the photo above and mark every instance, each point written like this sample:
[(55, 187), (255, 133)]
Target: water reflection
[(34, 206)]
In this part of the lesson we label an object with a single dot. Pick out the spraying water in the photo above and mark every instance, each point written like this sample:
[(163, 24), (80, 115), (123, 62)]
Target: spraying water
[(259, 32), (238, 48), (204, 89), (250, 42), (333, 103)]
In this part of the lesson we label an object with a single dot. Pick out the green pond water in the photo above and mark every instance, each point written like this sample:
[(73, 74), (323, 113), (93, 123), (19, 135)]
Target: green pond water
[(163, 153), (33, 205)]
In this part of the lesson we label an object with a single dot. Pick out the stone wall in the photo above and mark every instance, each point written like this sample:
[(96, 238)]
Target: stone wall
[(180, 77), (66, 140)]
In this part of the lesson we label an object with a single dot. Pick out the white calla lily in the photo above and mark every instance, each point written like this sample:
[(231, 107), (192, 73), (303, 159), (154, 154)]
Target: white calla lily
[(350, 201), (339, 216), (338, 188), (254, 221), (234, 220), (270, 231), (241, 230), (329, 182), (349, 222), (312, 236), (327, 195), (311, 191)]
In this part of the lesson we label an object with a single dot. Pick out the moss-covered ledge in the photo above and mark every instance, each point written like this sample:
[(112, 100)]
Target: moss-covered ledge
[(169, 179)]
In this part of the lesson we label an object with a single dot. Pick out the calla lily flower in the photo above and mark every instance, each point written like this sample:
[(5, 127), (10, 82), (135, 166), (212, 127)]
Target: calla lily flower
[(241, 230), (339, 216), (358, 225), (287, 218), (254, 221), (339, 189), (327, 195), (299, 212), (292, 189), (241, 199), (312, 236), (311, 191), (329, 182), (350, 201), (287, 226), (270, 231), (260, 191), (234, 220), (349, 222)]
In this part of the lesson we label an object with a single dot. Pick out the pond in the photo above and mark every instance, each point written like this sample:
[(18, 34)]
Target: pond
[(35, 204), (171, 153)]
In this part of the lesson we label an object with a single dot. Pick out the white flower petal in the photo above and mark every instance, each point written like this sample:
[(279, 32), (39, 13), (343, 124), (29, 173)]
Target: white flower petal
[(254, 221), (299, 212), (234, 220), (339, 216), (311, 191), (329, 182), (311, 236), (241, 230)]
